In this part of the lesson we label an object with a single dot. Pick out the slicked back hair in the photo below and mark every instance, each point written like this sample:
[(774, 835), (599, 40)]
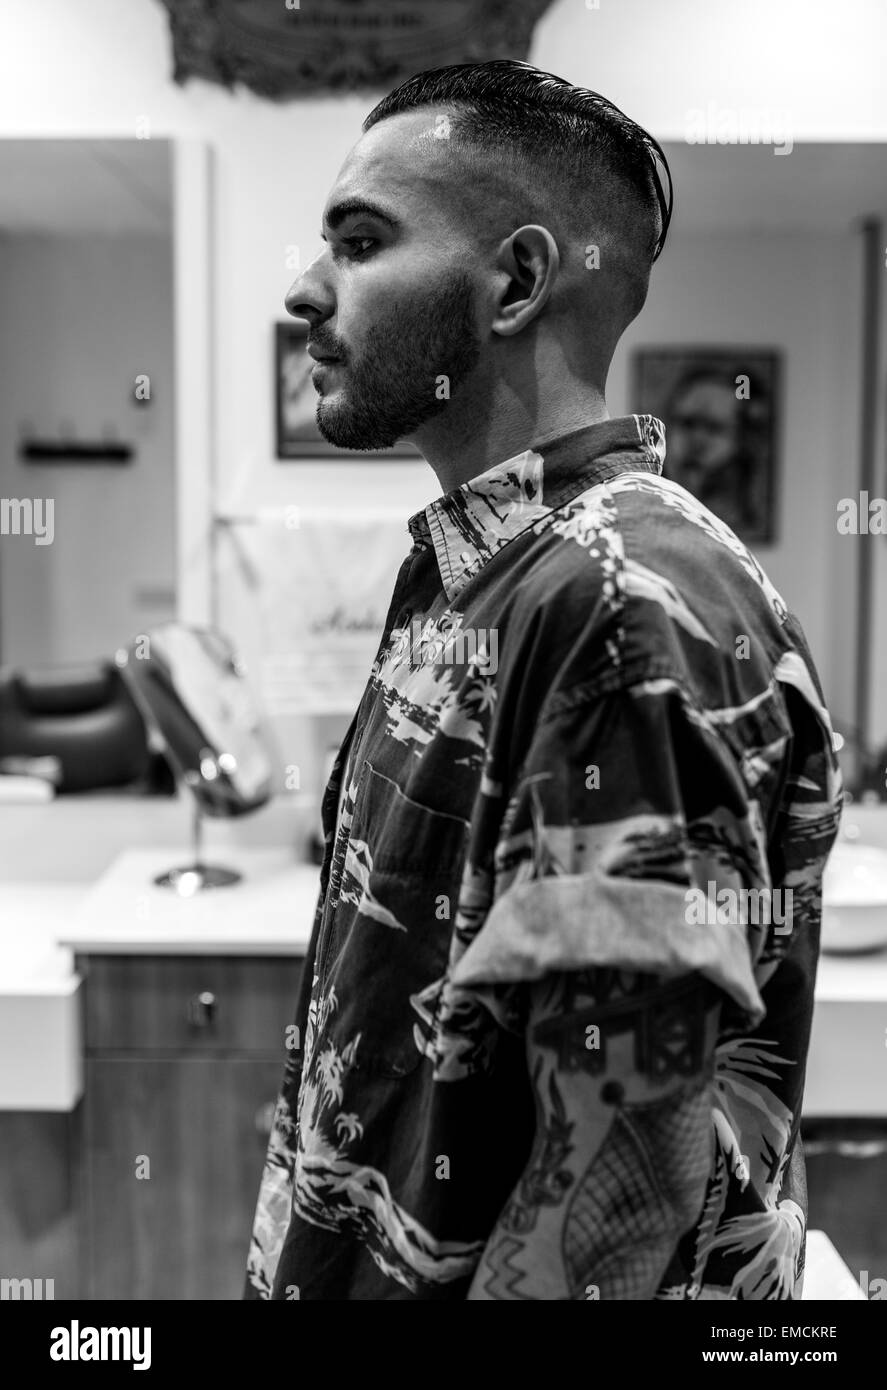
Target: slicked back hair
[(561, 139)]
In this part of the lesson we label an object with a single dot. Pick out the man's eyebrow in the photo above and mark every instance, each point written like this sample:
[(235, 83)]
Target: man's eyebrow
[(353, 207)]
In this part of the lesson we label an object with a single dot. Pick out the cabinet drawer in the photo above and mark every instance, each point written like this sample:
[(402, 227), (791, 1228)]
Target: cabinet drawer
[(189, 1003)]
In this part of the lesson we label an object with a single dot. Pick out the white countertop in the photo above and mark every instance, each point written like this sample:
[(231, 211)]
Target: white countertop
[(270, 912), (826, 1276), (31, 918)]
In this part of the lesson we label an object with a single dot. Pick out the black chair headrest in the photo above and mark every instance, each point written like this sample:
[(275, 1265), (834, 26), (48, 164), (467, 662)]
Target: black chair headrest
[(66, 689)]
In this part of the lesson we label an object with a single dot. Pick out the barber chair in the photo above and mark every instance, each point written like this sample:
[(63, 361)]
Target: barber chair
[(81, 717)]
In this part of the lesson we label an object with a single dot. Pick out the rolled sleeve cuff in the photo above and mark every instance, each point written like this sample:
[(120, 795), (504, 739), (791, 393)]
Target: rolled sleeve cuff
[(577, 922)]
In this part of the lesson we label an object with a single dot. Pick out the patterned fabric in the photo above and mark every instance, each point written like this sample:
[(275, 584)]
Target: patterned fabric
[(588, 701)]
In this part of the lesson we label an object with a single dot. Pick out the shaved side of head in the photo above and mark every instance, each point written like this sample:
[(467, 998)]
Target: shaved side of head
[(515, 146)]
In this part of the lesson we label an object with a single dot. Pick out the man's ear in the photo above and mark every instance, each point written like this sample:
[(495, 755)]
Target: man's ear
[(528, 262)]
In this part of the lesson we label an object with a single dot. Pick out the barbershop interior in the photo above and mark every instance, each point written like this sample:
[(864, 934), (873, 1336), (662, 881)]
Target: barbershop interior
[(165, 493)]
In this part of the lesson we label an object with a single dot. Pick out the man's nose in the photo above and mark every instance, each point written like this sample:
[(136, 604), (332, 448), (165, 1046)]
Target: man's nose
[(310, 295)]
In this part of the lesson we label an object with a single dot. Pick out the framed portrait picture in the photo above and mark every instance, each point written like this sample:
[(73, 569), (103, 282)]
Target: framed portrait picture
[(296, 432), (721, 411)]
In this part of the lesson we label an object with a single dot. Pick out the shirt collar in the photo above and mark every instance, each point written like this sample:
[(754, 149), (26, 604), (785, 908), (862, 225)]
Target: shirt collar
[(469, 525)]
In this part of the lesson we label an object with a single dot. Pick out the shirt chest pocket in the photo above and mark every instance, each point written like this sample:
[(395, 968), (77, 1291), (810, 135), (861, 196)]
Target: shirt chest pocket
[(387, 931)]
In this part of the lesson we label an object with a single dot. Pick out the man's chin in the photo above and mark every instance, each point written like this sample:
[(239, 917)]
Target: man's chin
[(345, 438), (348, 434)]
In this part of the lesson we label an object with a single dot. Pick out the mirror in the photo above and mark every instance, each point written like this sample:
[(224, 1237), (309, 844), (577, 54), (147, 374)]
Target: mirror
[(87, 397), (192, 692)]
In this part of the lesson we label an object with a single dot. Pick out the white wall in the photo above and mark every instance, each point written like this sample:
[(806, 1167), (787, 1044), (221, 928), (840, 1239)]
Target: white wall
[(100, 67), (800, 295), (82, 317)]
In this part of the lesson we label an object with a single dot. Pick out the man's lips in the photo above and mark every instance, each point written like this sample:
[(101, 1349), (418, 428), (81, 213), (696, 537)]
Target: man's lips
[(322, 358), (321, 371)]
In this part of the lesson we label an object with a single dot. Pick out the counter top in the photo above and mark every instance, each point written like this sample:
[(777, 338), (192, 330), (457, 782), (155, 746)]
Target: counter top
[(270, 912)]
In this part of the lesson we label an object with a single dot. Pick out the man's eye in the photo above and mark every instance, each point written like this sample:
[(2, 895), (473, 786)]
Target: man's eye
[(358, 245)]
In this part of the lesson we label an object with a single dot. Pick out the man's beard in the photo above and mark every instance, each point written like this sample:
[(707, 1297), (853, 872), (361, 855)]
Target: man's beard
[(395, 386)]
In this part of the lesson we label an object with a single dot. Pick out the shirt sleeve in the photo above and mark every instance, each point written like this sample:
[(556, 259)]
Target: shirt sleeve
[(628, 820)]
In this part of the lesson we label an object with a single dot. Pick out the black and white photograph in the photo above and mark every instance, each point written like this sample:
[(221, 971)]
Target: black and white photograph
[(720, 411), (294, 396), (443, 655)]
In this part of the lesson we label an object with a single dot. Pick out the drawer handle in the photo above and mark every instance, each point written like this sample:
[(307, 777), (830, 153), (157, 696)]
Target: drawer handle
[(264, 1118), (201, 1009)]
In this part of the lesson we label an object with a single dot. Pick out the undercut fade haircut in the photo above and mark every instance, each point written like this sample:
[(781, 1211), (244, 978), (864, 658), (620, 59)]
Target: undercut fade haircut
[(566, 141)]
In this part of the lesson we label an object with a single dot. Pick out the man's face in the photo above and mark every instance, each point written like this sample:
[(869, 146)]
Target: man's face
[(392, 298)]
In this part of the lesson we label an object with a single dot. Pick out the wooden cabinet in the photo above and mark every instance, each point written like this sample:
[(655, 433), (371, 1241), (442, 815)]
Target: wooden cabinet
[(153, 1004), (40, 1200), (184, 1057)]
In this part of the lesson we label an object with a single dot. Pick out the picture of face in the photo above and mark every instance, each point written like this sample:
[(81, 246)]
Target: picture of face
[(298, 399), (718, 409)]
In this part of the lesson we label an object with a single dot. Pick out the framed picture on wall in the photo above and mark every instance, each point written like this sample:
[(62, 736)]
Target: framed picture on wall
[(295, 404), (721, 411)]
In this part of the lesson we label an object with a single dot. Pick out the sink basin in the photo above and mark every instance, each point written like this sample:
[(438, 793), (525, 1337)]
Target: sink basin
[(854, 899)]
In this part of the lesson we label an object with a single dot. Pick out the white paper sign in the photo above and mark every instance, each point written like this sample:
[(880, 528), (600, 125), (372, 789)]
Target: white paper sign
[(318, 593)]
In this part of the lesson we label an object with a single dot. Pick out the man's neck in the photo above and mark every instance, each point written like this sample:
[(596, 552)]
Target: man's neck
[(461, 444)]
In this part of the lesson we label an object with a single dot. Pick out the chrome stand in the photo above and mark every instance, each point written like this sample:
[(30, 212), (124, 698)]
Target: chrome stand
[(194, 878)]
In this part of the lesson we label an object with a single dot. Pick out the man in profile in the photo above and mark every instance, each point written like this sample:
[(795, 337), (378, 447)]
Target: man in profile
[(553, 1036)]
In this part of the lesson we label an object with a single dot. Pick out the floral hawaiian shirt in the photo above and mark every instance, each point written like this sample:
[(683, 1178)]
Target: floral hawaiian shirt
[(588, 702)]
